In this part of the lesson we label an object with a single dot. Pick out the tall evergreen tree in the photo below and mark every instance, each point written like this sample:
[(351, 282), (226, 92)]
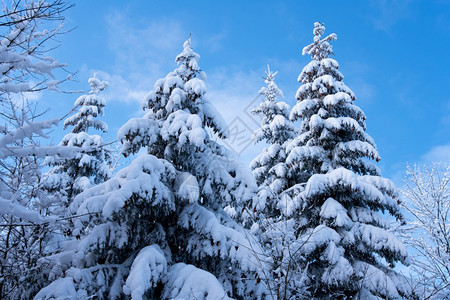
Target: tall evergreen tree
[(70, 175), (157, 228), (341, 216), (276, 129), (285, 276)]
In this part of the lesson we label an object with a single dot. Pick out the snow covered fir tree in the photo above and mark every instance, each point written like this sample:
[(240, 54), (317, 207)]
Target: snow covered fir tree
[(276, 129), (341, 217), (69, 176), (157, 228), (286, 279)]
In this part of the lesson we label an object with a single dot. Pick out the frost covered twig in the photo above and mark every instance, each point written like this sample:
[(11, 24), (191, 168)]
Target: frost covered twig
[(427, 195)]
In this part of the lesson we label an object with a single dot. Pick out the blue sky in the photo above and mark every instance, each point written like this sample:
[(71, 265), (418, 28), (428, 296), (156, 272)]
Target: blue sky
[(393, 54)]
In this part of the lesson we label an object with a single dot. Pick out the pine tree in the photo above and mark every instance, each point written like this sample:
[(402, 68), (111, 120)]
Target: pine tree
[(286, 279), (341, 215), (180, 106), (71, 175), (276, 129), (157, 228)]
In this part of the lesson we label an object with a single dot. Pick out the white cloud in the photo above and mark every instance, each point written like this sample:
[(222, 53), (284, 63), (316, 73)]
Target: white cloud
[(20, 98), (231, 92), (234, 93), (438, 154), (122, 90)]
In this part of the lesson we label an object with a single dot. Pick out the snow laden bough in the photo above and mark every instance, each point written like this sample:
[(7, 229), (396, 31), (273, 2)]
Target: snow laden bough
[(129, 210)]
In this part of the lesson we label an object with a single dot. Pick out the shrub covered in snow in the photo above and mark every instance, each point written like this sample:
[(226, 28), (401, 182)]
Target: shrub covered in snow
[(427, 199), (26, 35)]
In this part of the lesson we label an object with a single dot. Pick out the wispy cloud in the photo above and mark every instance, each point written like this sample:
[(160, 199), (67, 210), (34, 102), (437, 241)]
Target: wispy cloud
[(121, 89), (214, 43), (439, 153), (357, 77), (234, 93), (386, 13), (140, 44), (231, 91), (142, 52)]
